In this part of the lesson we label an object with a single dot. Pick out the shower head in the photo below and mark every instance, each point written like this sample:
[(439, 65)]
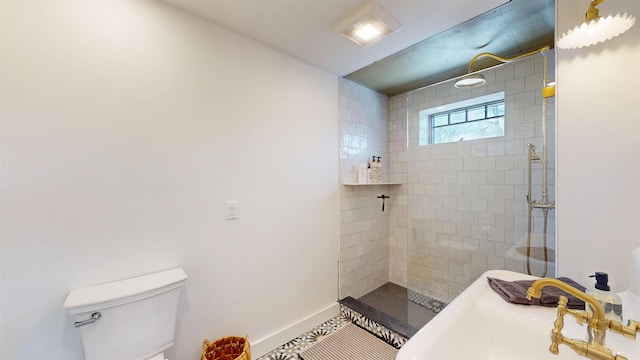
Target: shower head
[(470, 81)]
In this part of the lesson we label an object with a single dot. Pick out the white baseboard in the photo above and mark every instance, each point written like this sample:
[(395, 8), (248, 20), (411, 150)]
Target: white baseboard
[(262, 346)]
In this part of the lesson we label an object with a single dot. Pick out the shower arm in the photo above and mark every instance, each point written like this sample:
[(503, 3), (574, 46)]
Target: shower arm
[(543, 51)]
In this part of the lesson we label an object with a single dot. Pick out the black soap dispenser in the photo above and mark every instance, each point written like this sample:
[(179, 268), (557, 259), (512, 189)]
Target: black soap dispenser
[(610, 301)]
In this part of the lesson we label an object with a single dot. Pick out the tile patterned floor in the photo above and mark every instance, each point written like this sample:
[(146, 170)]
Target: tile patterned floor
[(390, 337), (290, 350)]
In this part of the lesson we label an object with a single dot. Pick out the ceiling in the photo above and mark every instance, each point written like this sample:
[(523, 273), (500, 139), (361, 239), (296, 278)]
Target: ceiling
[(437, 40), (513, 29)]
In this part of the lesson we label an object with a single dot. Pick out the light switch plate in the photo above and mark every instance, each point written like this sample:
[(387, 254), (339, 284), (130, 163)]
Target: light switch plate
[(232, 210)]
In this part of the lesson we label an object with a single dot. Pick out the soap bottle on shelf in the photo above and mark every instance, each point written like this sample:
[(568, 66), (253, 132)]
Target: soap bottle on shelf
[(362, 174), (379, 170), (374, 169), (610, 301), (369, 173)]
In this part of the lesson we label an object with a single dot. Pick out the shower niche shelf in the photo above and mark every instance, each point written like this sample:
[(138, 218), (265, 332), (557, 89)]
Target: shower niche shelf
[(370, 184)]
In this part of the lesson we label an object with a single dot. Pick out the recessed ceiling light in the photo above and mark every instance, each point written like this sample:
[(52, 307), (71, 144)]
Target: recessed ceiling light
[(367, 25), (367, 32)]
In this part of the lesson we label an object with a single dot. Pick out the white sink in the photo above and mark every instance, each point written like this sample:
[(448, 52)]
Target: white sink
[(479, 324)]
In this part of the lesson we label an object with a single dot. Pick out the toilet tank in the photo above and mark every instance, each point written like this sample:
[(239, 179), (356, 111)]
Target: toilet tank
[(131, 319)]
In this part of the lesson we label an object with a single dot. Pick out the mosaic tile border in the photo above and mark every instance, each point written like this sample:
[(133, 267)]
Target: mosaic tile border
[(430, 303), (390, 337), (290, 350)]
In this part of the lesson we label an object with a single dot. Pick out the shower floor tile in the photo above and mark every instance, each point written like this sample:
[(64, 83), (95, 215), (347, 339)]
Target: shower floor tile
[(413, 310)]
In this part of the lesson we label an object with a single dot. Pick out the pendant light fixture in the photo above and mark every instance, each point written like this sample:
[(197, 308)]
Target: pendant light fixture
[(595, 29)]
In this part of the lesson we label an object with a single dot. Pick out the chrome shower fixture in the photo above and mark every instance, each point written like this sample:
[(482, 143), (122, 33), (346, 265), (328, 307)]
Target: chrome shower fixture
[(548, 90), (532, 153), (472, 80)]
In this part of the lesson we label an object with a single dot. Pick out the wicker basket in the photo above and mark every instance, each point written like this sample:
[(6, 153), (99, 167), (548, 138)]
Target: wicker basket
[(227, 348)]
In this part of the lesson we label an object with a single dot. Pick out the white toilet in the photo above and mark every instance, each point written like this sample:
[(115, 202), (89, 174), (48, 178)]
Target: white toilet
[(132, 319)]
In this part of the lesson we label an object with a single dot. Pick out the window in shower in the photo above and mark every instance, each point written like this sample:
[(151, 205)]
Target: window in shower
[(477, 118)]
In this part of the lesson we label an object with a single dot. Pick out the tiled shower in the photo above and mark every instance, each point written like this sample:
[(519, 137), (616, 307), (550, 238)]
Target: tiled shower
[(364, 227), (460, 208)]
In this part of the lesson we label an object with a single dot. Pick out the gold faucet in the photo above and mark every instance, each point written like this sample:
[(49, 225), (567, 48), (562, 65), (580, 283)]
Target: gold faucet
[(597, 325)]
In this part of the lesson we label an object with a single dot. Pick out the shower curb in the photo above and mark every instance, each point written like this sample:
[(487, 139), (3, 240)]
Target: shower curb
[(391, 337)]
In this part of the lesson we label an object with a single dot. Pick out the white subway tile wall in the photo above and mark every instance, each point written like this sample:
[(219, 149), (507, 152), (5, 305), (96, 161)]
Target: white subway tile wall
[(364, 228), (466, 209), (461, 208)]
